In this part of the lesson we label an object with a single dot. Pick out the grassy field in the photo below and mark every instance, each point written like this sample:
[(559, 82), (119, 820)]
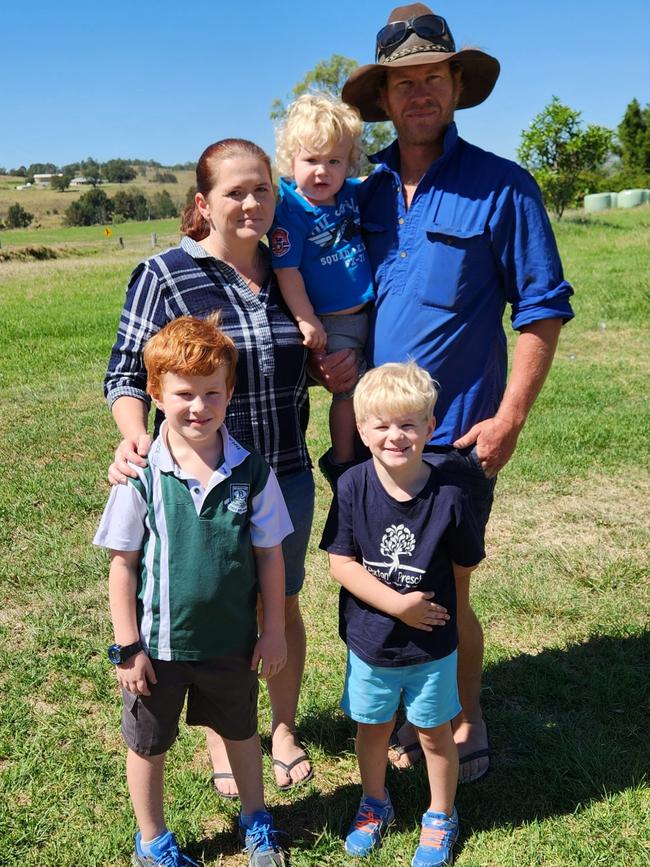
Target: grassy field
[(93, 239), (563, 597)]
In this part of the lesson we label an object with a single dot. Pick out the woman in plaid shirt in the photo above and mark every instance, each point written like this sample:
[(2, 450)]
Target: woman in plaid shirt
[(222, 265)]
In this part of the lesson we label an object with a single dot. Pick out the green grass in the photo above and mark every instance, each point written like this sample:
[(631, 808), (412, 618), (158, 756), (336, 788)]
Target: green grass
[(92, 235), (563, 597)]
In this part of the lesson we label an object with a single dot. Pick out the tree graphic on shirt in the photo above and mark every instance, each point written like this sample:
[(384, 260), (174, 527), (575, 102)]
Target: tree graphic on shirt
[(397, 540)]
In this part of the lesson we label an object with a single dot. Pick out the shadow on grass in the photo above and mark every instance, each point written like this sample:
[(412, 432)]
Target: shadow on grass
[(566, 727)]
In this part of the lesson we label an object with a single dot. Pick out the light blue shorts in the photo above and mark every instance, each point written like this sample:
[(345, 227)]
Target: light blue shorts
[(298, 492), (372, 693)]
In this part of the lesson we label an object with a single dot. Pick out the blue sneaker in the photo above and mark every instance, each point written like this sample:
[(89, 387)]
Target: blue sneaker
[(164, 853), (260, 841), (437, 838), (372, 819)]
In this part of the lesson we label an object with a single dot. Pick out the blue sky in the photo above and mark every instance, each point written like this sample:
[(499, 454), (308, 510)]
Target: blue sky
[(161, 80)]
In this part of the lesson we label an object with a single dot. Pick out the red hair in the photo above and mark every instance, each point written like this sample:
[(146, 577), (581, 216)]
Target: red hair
[(189, 346), (192, 223)]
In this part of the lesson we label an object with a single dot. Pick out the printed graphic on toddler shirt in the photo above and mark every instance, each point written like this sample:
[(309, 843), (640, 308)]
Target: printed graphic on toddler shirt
[(338, 234), (280, 243), (333, 234), (238, 500), (397, 541)]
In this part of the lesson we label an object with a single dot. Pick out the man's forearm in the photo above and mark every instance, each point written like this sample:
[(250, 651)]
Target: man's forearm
[(531, 362)]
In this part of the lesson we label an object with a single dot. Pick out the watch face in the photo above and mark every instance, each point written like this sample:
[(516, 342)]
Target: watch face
[(114, 654)]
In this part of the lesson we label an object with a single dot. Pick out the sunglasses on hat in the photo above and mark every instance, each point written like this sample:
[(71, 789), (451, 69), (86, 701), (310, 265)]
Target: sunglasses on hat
[(429, 27)]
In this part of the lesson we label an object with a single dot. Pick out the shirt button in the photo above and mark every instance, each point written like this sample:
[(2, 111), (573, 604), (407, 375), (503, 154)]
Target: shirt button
[(403, 254), (401, 221), (197, 490)]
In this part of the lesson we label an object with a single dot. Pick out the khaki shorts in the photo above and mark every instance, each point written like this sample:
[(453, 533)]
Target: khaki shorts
[(221, 694)]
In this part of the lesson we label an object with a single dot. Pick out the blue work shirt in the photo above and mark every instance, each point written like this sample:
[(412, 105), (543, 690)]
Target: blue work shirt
[(475, 238)]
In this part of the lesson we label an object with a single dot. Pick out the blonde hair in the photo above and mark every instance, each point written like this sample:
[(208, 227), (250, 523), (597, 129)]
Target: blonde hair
[(395, 389), (317, 123)]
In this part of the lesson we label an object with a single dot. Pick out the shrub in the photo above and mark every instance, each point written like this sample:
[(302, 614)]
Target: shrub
[(93, 208), (18, 217), (165, 178)]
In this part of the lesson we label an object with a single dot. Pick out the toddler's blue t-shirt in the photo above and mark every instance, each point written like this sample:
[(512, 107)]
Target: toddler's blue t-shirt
[(324, 242)]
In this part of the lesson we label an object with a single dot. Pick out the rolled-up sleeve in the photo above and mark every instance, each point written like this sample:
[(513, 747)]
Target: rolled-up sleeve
[(144, 313), (527, 255)]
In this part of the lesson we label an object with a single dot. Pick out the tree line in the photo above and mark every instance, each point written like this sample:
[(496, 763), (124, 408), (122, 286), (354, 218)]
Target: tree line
[(566, 158), (115, 171), (95, 208)]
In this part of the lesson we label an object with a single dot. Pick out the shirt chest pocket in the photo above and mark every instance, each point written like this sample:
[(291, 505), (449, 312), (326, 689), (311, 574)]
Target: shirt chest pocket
[(453, 264)]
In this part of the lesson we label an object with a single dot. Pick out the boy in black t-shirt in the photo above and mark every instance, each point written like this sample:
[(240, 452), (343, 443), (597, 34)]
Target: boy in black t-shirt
[(399, 533)]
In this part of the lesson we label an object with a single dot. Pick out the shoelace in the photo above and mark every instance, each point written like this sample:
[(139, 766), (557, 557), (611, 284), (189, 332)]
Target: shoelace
[(434, 837), (261, 837), (367, 818)]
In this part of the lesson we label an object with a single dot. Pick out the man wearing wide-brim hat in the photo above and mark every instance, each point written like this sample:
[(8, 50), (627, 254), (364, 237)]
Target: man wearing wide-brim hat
[(455, 233)]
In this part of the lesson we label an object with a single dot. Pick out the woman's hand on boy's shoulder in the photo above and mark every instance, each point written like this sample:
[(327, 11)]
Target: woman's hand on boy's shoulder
[(417, 609), (129, 452), (136, 674)]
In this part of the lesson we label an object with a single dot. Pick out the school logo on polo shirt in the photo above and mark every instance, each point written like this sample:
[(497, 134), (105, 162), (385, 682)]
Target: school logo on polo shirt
[(238, 500)]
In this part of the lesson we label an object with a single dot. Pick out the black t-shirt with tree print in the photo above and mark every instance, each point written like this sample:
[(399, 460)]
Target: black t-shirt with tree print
[(408, 546)]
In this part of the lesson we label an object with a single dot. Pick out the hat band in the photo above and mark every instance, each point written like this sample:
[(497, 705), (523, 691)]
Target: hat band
[(418, 49)]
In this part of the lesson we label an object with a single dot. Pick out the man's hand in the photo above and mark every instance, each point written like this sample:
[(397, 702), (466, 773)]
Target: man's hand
[(417, 610), (271, 651), (337, 371), (136, 674), (134, 451), (496, 440)]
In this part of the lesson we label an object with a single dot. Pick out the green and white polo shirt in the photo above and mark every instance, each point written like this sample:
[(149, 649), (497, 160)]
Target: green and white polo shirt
[(197, 585)]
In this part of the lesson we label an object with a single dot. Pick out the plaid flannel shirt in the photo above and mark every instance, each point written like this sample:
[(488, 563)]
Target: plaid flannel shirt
[(269, 410)]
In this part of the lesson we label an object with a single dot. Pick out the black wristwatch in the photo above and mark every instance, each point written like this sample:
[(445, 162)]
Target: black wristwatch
[(118, 654)]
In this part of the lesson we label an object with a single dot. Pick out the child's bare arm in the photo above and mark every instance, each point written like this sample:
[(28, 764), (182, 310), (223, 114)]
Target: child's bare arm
[(137, 672), (271, 647), (415, 609), (294, 293), (462, 573)]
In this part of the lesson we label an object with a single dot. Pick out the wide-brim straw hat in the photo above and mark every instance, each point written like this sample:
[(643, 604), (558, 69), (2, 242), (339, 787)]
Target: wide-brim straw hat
[(479, 70)]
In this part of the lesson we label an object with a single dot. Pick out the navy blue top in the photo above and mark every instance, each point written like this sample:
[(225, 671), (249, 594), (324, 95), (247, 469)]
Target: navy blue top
[(408, 546), (324, 242), (475, 238)]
